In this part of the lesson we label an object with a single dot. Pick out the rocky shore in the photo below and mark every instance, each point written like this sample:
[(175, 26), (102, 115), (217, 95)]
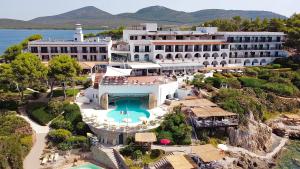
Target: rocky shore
[(286, 125)]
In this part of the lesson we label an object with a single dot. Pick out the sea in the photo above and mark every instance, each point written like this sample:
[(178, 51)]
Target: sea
[(10, 37), (290, 156)]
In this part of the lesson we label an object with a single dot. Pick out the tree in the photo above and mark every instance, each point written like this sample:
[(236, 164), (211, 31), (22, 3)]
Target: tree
[(293, 31), (34, 37), (12, 52), (198, 81), (27, 69), (62, 69)]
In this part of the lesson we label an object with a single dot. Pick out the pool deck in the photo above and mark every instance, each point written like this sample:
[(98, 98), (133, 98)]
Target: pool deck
[(98, 118)]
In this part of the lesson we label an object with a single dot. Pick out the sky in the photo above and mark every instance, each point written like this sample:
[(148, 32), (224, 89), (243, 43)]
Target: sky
[(29, 9)]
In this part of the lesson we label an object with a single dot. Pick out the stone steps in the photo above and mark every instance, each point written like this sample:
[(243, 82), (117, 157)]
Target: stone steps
[(162, 162)]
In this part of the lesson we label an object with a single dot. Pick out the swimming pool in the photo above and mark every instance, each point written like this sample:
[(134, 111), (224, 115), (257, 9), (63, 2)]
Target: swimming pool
[(129, 108), (87, 166)]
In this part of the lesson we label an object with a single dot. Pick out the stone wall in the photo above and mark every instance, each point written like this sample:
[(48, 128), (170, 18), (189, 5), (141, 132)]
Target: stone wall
[(152, 103), (104, 101), (102, 157)]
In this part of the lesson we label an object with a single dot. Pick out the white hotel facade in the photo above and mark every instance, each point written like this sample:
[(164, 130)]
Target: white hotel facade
[(148, 49)]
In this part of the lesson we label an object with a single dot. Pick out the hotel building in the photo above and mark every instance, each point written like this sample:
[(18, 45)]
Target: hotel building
[(148, 49)]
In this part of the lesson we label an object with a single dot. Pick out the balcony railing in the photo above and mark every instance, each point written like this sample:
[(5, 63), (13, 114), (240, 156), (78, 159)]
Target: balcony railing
[(216, 123)]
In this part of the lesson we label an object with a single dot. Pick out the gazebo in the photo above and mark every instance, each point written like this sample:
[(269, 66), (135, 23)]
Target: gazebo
[(145, 139)]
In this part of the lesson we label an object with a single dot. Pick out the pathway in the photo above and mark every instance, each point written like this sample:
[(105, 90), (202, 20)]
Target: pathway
[(32, 160)]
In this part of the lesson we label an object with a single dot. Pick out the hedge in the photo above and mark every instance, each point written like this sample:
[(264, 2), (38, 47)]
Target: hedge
[(252, 82), (38, 112)]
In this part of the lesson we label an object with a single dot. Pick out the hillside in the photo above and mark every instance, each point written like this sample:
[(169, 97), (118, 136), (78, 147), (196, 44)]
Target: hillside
[(94, 18)]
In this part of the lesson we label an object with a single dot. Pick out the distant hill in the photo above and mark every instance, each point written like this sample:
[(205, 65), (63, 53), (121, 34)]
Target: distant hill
[(94, 18)]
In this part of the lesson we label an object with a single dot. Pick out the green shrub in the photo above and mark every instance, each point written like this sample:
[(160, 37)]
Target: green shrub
[(60, 123), (282, 89), (72, 113), (137, 154), (87, 84), (233, 83), (174, 128), (40, 115), (77, 141), (252, 82), (155, 153), (82, 128), (55, 107), (215, 81), (127, 150), (59, 135)]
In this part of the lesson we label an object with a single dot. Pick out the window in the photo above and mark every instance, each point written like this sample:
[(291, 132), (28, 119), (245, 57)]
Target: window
[(102, 50), (84, 57), (34, 50), (136, 49), (93, 50), (159, 47), (74, 57), (147, 49), (44, 50), (146, 57), (54, 50), (64, 50), (84, 50), (74, 50)]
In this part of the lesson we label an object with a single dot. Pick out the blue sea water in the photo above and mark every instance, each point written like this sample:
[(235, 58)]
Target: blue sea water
[(9, 37)]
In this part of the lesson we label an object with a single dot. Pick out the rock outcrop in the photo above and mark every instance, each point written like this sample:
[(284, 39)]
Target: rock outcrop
[(282, 127), (255, 137)]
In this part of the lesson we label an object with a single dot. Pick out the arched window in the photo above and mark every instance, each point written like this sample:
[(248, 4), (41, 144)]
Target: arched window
[(224, 55), (205, 63), (146, 57), (197, 55), (136, 57), (159, 56), (169, 56), (214, 63), (206, 55), (178, 56), (215, 55), (188, 56)]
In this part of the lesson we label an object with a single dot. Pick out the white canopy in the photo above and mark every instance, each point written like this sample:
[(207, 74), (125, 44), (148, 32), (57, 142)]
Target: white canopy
[(112, 71)]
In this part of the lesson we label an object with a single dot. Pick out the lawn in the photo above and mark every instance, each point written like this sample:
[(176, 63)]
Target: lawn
[(69, 92)]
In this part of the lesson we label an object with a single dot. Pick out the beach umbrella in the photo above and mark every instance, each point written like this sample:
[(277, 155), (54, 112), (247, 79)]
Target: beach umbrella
[(165, 141), (127, 120), (222, 147)]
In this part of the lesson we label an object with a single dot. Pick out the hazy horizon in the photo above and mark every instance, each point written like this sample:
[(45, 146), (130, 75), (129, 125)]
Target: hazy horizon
[(29, 9)]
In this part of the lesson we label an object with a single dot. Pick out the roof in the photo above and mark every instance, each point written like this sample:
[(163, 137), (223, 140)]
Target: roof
[(198, 42), (116, 72), (211, 112), (145, 137), (143, 65), (207, 153), (195, 103), (253, 33), (181, 162), (181, 65)]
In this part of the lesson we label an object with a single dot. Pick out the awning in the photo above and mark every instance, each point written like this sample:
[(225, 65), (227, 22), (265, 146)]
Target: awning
[(145, 137), (112, 71), (145, 65), (176, 66)]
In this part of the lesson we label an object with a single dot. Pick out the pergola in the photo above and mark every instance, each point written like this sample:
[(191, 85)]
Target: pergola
[(181, 162)]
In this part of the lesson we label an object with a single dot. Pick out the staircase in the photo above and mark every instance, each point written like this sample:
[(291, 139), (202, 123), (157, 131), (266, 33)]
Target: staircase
[(161, 163)]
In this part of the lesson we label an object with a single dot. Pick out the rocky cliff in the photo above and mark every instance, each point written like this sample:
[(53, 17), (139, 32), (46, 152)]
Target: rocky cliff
[(255, 137)]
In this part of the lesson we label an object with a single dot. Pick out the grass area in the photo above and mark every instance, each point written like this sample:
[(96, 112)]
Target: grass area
[(38, 112), (69, 92)]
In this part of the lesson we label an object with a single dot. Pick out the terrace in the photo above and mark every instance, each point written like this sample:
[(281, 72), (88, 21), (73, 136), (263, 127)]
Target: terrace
[(137, 80), (204, 117)]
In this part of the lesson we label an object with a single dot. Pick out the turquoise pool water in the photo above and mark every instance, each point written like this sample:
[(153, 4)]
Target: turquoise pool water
[(87, 166), (134, 108)]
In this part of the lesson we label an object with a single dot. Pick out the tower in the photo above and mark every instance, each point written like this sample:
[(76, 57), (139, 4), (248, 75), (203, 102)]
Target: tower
[(78, 36)]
